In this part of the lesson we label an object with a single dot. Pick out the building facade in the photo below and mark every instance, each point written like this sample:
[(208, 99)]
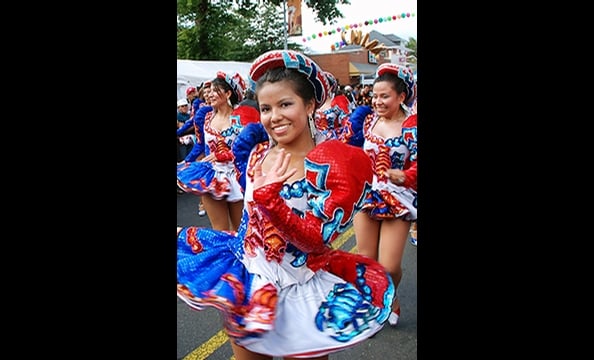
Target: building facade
[(354, 64)]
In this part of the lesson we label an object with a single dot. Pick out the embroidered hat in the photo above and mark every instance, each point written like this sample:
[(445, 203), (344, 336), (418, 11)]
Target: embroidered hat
[(190, 90), (236, 82), (405, 74), (332, 82), (292, 60)]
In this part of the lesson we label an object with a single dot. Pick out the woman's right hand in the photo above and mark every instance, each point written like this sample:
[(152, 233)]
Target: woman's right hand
[(209, 158), (396, 176), (279, 172)]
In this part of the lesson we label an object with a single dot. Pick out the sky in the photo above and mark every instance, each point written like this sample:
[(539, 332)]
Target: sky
[(357, 13)]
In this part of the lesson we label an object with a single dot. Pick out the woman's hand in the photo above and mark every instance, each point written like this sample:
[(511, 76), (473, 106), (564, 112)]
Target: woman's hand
[(396, 176), (210, 158), (279, 172)]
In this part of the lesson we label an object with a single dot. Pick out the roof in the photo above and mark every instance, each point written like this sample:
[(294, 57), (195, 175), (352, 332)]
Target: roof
[(395, 39), (391, 41)]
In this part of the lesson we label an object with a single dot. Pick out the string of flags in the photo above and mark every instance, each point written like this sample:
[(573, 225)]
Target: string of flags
[(353, 27)]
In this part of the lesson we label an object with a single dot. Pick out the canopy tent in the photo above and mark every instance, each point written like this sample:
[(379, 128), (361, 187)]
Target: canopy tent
[(195, 72)]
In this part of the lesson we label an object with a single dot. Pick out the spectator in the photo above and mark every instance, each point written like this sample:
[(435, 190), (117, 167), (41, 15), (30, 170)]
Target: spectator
[(196, 124), (250, 100), (348, 92), (357, 92), (193, 100), (203, 93), (197, 121), (365, 96), (183, 115)]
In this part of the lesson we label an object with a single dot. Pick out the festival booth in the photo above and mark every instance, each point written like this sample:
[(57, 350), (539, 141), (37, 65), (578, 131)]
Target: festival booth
[(195, 72)]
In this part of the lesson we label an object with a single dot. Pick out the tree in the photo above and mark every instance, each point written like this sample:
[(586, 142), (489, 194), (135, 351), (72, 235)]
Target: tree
[(412, 55), (324, 10), (265, 32), (238, 29), (412, 44)]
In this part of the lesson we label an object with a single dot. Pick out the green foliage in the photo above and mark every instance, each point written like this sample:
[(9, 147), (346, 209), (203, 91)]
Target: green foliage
[(412, 55), (200, 34), (238, 30), (412, 44)]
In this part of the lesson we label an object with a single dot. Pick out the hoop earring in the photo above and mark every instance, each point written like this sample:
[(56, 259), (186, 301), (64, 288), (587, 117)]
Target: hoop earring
[(229, 102), (312, 126)]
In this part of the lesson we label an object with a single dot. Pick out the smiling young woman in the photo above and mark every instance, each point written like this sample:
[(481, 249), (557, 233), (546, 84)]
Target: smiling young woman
[(387, 131), (282, 289)]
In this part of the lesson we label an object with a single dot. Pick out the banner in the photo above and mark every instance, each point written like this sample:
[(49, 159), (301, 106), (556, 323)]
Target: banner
[(294, 18)]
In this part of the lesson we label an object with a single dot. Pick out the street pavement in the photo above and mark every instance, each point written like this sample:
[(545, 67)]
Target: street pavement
[(199, 334)]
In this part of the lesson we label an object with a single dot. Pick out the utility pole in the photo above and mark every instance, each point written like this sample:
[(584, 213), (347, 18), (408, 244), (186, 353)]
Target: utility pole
[(285, 30)]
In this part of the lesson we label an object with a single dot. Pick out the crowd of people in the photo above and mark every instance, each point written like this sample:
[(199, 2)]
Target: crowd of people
[(285, 162)]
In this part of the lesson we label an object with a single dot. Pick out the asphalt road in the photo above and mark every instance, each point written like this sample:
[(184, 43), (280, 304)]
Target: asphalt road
[(199, 334)]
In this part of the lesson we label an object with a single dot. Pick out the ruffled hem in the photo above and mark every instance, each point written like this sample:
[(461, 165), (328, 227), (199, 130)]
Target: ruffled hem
[(200, 177), (225, 285), (383, 205), (340, 306)]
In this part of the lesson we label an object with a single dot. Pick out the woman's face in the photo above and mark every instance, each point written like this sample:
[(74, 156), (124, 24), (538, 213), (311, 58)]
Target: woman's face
[(385, 101), (206, 94), (283, 113), (218, 97)]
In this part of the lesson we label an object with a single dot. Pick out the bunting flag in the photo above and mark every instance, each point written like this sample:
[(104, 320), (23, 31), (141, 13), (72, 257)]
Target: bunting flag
[(346, 27), (294, 25)]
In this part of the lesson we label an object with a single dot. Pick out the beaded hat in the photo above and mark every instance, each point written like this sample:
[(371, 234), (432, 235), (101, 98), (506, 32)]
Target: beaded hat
[(190, 90), (332, 82), (236, 82), (405, 74), (292, 60)]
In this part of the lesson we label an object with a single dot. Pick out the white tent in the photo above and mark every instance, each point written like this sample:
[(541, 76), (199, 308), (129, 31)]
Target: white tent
[(195, 72)]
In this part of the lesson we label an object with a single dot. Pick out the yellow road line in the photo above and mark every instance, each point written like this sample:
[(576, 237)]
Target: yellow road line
[(342, 238), (220, 338), (209, 347)]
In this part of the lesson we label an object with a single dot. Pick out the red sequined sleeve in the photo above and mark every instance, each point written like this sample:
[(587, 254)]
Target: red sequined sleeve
[(304, 233)]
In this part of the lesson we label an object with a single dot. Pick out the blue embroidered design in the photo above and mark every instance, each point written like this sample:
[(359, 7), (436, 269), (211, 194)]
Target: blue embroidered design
[(346, 311)]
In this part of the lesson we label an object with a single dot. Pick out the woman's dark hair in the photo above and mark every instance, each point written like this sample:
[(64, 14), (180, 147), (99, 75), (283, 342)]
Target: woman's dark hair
[(397, 83), (300, 84), (249, 95), (220, 84)]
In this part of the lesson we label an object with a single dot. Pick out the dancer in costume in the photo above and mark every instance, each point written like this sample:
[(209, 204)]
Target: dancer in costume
[(214, 176), (196, 122), (388, 134), (329, 119), (282, 289)]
